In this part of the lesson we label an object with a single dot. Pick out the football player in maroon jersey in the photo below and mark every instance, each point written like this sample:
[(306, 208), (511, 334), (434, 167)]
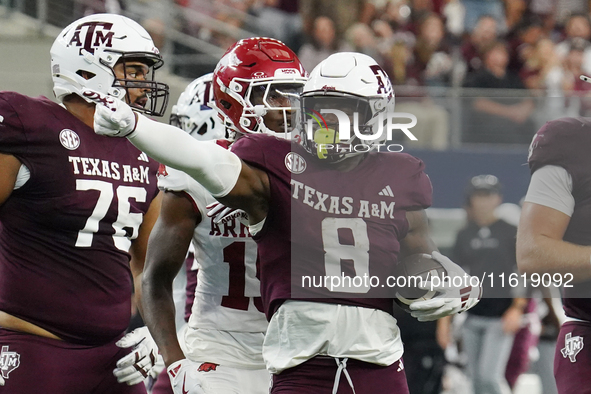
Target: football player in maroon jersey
[(75, 213), (554, 235), (226, 327), (316, 210)]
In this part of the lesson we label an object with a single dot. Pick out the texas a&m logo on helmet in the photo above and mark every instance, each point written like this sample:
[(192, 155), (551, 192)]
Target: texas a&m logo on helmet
[(90, 35)]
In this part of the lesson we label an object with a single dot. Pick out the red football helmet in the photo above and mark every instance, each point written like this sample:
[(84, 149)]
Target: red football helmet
[(255, 77)]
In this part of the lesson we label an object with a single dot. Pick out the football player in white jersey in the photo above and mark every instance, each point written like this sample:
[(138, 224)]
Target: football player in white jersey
[(224, 337)]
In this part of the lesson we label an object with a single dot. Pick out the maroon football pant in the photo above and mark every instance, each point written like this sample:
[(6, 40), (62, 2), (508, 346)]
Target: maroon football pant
[(317, 376), (572, 359), (518, 362), (32, 365)]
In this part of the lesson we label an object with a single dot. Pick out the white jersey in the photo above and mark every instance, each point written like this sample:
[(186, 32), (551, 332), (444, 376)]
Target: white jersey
[(226, 325)]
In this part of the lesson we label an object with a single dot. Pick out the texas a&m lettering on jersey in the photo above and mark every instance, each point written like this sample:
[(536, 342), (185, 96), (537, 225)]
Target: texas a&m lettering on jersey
[(109, 170), (341, 205)]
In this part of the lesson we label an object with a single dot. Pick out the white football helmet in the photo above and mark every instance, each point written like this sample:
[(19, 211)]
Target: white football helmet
[(353, 83), (194, 111), (91, 46)]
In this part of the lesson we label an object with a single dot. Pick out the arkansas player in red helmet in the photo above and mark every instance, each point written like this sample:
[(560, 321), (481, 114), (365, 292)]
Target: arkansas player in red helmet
[(222, 345), (252, 82)]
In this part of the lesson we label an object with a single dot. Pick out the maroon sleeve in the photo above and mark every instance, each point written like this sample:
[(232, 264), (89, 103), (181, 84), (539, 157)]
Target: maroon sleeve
[(12, 136), (249, 150), (562, 142), (419, 192)]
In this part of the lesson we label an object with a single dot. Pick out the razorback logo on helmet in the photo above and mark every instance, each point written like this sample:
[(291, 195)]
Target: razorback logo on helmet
[(206, 367), (94, 37)]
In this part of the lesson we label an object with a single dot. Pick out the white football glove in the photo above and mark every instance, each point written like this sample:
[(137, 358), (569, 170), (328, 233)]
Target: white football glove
[(451, 299), (144, 360), (185, 379), (221, 213), (2, 380), (112, 117)]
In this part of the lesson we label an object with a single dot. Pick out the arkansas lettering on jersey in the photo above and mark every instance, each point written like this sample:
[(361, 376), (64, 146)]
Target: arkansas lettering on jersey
[(322, 222), (65, 234), (565, 143)]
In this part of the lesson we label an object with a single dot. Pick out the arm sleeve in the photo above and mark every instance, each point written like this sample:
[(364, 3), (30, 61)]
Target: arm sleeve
[(216, 168), (552, 187)]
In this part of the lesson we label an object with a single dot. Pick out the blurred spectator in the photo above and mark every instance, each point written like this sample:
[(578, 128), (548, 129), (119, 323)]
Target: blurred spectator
[(280, 19), (544, 75), (578, 101), (397, 13), (344, 13), (477, 8), (514, 11), (522, 42), (362, 39), (454, 14), (427, 64), (545, 10), (566, 8), (487, 246), (498, 119), (432, 63), (543, 69), (323, 43), (577, 26), (483, 35)]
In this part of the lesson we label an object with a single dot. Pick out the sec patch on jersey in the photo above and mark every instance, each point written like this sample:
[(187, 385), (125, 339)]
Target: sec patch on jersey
[(411, 275)]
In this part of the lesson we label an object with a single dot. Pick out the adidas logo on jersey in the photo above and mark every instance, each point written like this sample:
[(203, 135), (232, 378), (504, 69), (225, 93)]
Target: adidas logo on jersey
[(387, 191), (144, 157)]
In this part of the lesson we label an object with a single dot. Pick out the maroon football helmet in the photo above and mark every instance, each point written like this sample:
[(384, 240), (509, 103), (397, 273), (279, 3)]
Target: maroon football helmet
[(258, 77)]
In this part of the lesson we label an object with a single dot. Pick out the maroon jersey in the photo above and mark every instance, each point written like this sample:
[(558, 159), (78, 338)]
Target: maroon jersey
[(65, 234), (565, 142), (325, 222)]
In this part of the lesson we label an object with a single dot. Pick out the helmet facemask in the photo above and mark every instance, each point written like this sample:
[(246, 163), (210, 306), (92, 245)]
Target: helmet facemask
[(138, 72), (267, 107)]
